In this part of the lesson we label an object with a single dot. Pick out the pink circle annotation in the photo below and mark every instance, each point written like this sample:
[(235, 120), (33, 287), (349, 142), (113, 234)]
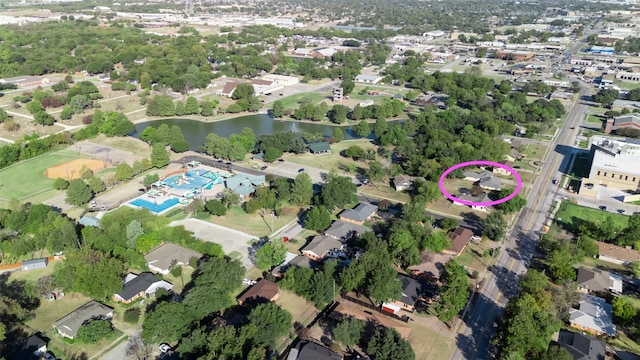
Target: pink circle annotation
[(480, 162)]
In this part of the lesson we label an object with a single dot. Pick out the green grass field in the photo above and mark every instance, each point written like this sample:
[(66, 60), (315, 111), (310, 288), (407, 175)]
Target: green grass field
[(595, 119), (294, 101), (27, 177), (570, 214)]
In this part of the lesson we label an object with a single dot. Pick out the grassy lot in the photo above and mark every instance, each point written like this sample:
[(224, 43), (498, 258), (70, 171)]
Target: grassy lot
[(581, 166), (49, 312), (33, 275), (472, 257), (622, 341), (301, 312), (76, 350), (333, 160), (27, 177), (429, 344), (294, 101), (596, 119), (136, 146), (253, 224), (535, 151), (385, 192), (570, 214)]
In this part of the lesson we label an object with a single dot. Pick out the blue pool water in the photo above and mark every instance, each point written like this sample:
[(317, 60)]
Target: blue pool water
[(156, 208), (194, 179)]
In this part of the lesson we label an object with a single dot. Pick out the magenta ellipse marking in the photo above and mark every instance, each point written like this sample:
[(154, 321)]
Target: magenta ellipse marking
[(480, 162)]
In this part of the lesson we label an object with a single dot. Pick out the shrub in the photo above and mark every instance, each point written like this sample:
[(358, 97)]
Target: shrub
[(132, 315), (60, 184)]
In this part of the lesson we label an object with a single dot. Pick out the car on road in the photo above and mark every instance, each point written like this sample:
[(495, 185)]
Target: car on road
[(300, 170), (555, 181), (573, 127), (281, 160), (164, 348), (264, 167), (621, 211), (602, 207)]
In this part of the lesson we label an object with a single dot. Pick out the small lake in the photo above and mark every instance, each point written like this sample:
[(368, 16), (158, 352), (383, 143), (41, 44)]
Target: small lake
[(196, 131)]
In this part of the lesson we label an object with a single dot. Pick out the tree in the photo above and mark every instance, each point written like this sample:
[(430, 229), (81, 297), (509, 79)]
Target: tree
[(556, 352), (67, 113), (94, 331), (124, 172), (134, 231), (623, 310), (561, 264), (448, 223), (270, 255), (302, 190), (454, 293), (494, 225), (96, 184), (169, 321), (243, 91), (60, 184), (375, 172), (159, 156), (347, 86), (606, 97), (191, 107), (337, 192), (90, 272), (43, 118), (78, 193), (386, 343), (78, 103), (216, 207), (349, 331), (278, 109), (534, 282), (513, 205), (337, 134), (150, 179), (318, 218), (338, 114), (271, 322), (362, 129)]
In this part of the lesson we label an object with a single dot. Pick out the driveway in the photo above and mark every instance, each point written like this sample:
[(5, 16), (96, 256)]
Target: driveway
[(230, 240)]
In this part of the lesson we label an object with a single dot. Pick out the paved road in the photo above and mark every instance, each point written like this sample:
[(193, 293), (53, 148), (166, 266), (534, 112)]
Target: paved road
[(501, 283)]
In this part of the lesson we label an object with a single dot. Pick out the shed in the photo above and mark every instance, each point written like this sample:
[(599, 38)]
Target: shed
[(319, 148), (35, 264)]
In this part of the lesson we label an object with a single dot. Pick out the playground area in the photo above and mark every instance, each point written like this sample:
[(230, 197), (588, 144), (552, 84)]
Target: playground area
[(71, 170), (180, 186)]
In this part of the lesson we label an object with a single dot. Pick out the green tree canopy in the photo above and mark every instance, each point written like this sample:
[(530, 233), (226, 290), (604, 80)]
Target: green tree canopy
[(271, 322), (78, 193)]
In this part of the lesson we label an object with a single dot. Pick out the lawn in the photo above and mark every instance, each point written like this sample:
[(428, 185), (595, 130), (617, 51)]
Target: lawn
[(570, 214), (27, 177), (385, 192), (295, 100), (472, 257), (333, 160), (49, 312), (302, 312), (136, 146), (429, 344), (253, 224), (535, 151), (596, 119), (76, 350)]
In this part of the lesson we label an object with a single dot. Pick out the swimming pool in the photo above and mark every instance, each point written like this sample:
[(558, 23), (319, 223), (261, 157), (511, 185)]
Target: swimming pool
[(153, 207), (193, 179)]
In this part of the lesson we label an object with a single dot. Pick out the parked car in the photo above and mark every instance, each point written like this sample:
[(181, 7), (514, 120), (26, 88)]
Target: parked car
[(300, 170), (264, 167), (164, 348), (555, 181), (602, 207)]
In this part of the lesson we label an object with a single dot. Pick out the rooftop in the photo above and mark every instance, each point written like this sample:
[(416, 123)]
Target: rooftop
[(617, 252), (341, 229), (360, 213), (264, 289), (582, 347), (615, 154), (139, 283), (321, 244), (460, 238), (70, 324), (594, 313), (163, 256)]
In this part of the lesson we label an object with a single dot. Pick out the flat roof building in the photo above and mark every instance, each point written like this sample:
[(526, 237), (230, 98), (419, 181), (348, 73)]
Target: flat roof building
[(613, 165)]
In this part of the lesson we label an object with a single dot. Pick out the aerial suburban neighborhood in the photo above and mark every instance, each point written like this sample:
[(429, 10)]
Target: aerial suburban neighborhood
[(306, 180)]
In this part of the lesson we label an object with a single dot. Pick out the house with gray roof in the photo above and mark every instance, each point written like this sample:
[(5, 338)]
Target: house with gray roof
[(593, 316), (343, 230), (368, 79), (582, 347), (321, 247), (482, 198), (596, 280), (490, 183), (33, 348), (69, 325), (359, 214), (89, 221), (403, 182), (311, 351), (143, 284), (299, 261), (476, 176), (245, 184), (411, 294), (160, 259)]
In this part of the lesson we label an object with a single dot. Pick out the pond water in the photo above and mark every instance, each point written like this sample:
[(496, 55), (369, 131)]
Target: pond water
[(196, 131)]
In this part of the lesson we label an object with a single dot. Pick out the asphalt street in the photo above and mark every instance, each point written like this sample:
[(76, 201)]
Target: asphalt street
[(501, 282)]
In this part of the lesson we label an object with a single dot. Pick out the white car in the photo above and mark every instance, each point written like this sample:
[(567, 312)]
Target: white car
[(164, 348)]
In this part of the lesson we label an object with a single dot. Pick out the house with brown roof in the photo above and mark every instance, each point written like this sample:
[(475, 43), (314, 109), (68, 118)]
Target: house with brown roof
[(321, 247), (460, 238), (617, 254), (596, 280), (229, 88), (500, 171), (263, 291)]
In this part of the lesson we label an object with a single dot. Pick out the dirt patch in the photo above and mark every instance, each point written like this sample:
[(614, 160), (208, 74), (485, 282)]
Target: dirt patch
[(71, 170)]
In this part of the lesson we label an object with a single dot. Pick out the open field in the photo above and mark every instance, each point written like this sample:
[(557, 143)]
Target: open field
[(28, 177), (595, 119), (570, 214), (333, 160), (302, 312), (293, 101), (429, 344), (535, 151), (49, 312), (253, 224), (71, 169)]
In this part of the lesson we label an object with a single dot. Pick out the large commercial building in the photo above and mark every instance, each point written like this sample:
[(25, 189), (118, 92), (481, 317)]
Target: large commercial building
[(614, 164)]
